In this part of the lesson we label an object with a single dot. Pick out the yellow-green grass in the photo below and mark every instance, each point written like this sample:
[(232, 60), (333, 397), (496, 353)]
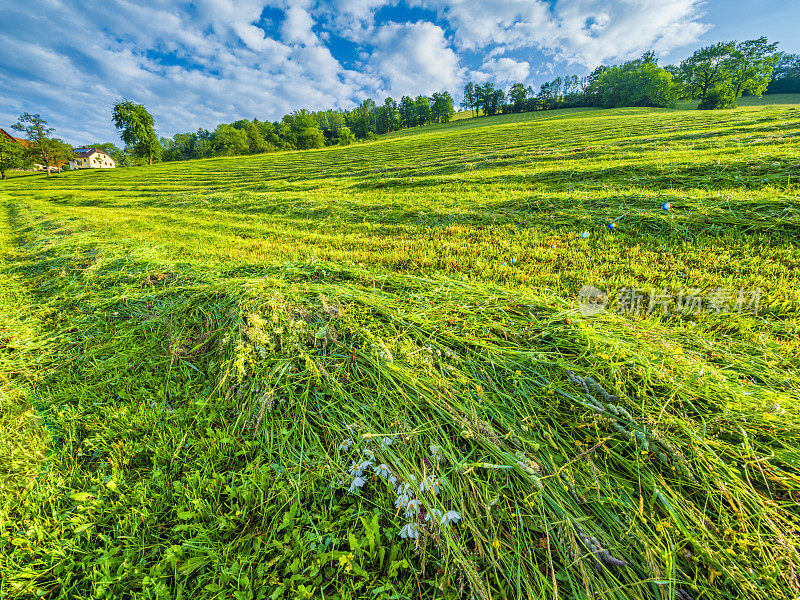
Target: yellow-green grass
[(22, 441), (201, 335)]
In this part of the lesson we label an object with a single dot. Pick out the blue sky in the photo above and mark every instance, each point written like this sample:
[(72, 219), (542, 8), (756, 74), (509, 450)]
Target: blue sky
[(197, 64)]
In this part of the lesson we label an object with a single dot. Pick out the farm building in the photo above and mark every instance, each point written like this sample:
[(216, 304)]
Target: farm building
[(5, 134), (91, 158)]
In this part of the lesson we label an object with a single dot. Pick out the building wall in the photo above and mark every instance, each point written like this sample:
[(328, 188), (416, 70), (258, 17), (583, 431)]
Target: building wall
[(103, 162)]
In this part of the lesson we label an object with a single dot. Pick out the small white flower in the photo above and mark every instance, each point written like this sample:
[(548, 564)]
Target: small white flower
[(345, 445), (393, 481), (370, 453), (429, 483), (386, 442), (450, 516), (352, 428), (358, 482), (410, 531), (412, 508), (436, 454), (404, 495), (433, 514), (382, 471), (357, 468)]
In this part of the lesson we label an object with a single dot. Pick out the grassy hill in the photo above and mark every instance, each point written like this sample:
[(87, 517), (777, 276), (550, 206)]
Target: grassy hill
[(369, 372)]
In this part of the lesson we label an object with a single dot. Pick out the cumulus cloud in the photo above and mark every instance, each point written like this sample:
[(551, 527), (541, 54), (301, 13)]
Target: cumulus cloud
[(354, 20), (586, 32), (413, 58), (502, 71), (196, 64), (192, 65)]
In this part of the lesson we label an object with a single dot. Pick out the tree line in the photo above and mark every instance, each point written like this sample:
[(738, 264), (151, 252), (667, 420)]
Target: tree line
[(716, 75), (303, 129)]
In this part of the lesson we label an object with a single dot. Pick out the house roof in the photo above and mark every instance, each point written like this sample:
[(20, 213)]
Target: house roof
[(8, 136), (87, 152)]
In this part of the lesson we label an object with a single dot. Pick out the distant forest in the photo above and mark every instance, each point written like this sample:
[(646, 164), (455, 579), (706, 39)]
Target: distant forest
[(717, 75)]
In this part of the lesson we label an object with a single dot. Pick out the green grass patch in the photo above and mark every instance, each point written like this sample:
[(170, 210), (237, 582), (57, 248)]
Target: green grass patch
[(217, 346)]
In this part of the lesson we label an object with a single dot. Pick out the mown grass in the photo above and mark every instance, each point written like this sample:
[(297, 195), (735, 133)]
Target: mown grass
[(202, 337)]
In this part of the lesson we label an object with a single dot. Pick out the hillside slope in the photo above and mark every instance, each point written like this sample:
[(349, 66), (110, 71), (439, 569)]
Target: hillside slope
[(365, 372)]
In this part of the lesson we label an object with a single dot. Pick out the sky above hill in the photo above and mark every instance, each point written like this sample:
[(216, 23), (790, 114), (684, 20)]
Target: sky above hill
[(197, 64)]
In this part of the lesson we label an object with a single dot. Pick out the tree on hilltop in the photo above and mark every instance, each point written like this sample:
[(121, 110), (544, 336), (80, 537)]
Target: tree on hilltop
[(408, 112), (517, 95), (442, 107), (470, 100), (719, 74), (752, 64), (138, 129), (706, 69), (639, 82)]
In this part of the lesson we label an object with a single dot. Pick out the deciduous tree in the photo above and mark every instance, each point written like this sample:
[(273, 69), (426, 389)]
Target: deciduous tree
[(43, 149), (442, 107), (407, 110), (707, 68), (11, 155), (137, 129), (786, 76), (752, 63), (635, 83), (470, 100)]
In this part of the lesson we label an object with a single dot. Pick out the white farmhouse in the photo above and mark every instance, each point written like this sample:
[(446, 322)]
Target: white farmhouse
[(91, 158)]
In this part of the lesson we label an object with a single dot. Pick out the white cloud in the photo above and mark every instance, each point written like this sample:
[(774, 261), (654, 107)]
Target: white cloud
[(191, 65), (586, 32), (354, 20), (502, 71), (414, 58), (196, 64), (297, 24)]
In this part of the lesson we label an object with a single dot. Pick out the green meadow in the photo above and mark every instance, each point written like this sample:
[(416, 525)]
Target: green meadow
[(369, 372)]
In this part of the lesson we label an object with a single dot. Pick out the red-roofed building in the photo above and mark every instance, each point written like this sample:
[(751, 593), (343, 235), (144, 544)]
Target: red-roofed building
[(8, 136)]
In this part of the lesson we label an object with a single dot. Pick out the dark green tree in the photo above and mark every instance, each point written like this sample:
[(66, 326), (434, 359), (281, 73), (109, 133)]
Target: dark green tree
[(517, 95), (490, 99), (302, 130), (708, 68), (720, 96), (752, 64), (229, 141), (11, 155), (345, 137), (422, 109), (408, 115), (137, 129), (470, 101), (786, 75), (442, 107), (636, 83)]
